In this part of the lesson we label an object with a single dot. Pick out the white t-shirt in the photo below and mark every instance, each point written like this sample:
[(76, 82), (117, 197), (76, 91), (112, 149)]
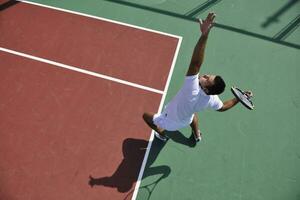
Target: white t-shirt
[(190, 99)]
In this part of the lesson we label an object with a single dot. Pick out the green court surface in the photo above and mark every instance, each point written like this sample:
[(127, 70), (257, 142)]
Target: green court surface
[(245, 155)]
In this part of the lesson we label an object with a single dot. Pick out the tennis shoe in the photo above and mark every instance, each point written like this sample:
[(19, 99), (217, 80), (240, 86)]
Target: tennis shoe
[(160, 137)]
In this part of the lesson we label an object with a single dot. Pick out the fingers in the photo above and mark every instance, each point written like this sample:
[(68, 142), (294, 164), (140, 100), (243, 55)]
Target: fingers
[(200, 21), (211, 17), (249, 93), (207, 24)]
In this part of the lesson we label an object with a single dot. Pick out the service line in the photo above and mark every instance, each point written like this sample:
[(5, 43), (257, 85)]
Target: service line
[(78, 69)]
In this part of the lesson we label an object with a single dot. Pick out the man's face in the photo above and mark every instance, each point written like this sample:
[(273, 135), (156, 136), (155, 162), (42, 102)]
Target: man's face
[(206, 81)]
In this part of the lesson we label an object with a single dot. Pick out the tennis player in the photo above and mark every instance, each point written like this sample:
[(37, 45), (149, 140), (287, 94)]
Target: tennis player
[(198, 92)]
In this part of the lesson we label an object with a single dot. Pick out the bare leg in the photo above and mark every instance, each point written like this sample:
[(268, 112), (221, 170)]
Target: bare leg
[(148, 118), (195, 127)]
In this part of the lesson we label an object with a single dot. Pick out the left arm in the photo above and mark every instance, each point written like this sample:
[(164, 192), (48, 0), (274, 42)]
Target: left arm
[(232, 102), (228, 104)]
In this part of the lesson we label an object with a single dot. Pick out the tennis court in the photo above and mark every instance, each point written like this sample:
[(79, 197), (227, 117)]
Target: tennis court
[(77, 76)]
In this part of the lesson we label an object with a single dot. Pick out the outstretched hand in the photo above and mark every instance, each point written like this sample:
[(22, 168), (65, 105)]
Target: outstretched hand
[(207, 24), (249, 93)]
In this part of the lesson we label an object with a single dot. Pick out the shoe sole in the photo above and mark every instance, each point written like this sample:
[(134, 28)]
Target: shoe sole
[(161, 138)]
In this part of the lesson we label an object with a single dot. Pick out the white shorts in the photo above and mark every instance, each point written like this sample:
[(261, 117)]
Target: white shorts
[(162, 121)]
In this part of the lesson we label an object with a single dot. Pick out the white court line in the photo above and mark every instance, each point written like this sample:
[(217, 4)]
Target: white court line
[(100, 18), (164, 93), (138, 183), (57, 64)]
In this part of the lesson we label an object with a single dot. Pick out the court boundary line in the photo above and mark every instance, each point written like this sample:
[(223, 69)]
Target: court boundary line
[(164, 93), (80, 70), (100, 18), (141, 173)]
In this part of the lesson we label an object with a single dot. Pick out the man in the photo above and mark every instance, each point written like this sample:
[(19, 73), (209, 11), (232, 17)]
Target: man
[(197, 93)]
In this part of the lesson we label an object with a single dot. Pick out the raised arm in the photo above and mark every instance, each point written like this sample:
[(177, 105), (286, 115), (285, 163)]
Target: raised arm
[(232, 102), (198, 54)]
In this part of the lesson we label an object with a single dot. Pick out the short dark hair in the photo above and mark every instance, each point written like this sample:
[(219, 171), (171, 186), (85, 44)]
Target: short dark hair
[(218, 87)]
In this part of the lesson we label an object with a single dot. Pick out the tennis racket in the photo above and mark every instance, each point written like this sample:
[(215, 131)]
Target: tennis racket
[(243, 97)]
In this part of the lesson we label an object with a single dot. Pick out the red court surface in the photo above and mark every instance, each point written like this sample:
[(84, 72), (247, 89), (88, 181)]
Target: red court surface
[(115, 50), (57, 126)]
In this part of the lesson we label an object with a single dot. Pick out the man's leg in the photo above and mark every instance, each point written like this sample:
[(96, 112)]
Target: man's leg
[(148, 118), (195, 128)]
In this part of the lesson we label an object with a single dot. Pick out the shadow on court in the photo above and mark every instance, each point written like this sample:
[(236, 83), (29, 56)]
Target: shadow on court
[(8, 4), (178, 137), (275, 17), (127, 172), (192, 16)]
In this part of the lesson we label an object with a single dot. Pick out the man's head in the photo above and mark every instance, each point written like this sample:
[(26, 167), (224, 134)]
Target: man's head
[(212, 84)]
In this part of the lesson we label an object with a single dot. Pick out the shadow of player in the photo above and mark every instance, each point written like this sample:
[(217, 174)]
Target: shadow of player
[(127, 172)]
